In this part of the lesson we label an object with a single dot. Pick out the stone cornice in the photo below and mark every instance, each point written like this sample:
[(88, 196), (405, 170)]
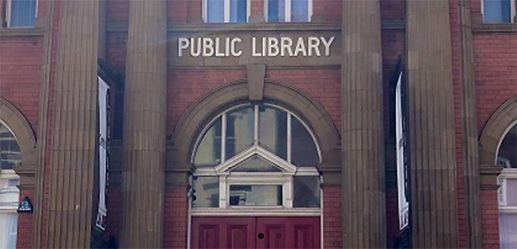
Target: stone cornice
[(244, 27)]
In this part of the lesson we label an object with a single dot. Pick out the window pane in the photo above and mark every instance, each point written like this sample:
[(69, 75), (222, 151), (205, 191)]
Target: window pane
[(299, 10), (209, 150), (256, 164), (207, 192), (273, 130), (507, 230), (239, 131), (306, 191), (215, 10), (506, 155), (10, 154), (496, 11), (238, 11), (255, 195), (511, 192), (23, 13), (9, 194), (8, 228), (304, 152), (276, 10)]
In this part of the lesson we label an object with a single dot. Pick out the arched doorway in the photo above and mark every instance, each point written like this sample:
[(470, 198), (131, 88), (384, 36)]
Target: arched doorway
[(507, 193), (256, 174), (10, 157)]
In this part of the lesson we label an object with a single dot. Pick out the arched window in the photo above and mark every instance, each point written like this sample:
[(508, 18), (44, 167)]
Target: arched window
[(507, 157), (256, 155), (10, 156)]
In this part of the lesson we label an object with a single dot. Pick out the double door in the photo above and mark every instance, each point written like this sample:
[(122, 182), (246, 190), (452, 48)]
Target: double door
[(255, 232)]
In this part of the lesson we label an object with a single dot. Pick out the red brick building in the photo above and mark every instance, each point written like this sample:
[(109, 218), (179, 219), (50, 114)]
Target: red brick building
[(234, 118)]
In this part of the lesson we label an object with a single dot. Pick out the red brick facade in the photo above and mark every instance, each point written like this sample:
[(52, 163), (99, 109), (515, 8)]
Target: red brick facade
[(495, 66)]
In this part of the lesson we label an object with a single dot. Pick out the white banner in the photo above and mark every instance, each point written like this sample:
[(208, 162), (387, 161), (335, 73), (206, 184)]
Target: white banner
[(103, 152), (403, 203)]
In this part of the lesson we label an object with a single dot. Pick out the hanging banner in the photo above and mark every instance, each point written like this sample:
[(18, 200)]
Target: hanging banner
[(400, 136), (103, 152)]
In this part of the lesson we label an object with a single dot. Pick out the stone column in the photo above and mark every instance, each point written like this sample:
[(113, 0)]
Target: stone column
[(74, 129), (144, 125), (362, 142), (469, 129), (434, 218)]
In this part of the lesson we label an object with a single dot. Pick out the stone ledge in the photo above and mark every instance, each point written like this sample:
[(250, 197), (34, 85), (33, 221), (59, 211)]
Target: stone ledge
[(24, 32), (495, 28), (260, 26)]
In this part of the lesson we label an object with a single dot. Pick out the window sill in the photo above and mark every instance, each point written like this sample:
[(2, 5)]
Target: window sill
[(8, 32), (495, 28)]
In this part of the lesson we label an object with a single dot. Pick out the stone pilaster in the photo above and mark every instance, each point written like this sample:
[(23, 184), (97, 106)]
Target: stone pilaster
[(74, 129), (434, 217), (362, 128), (144, 126), (470, 143)]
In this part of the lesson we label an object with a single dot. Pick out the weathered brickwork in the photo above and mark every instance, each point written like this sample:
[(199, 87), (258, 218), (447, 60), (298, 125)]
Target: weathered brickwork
[(332, 221)]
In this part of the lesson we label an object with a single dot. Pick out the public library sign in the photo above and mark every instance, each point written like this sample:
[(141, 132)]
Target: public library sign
[(271, 48), (260, 46)]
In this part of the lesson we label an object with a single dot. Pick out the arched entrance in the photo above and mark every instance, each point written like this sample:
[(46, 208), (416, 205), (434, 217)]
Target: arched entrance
[(256, 174)]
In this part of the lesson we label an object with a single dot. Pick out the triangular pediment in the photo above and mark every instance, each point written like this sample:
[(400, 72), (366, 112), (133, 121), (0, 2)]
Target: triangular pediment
[(256, 159)]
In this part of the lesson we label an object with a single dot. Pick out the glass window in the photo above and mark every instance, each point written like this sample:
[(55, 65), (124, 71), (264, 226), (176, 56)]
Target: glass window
[(224, 11), (239, 131), (22, 13), (288, 10), (10, 154), (8, 228), (257, 141), (306, 191), (299, 10), (497, 11), (304, 152), (207, 192), (255, 195), (273, 130), (209, 150)]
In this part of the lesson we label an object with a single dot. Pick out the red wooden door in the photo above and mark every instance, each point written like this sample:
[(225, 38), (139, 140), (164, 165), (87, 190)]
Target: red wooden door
[(242, 232), (289, 232), (223, 232)]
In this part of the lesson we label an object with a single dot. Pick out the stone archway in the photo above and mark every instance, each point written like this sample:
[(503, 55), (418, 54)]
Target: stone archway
[(495, 129), (16, 121), (189, 126)]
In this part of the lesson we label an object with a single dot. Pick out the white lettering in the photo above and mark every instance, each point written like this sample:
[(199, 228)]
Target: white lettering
[(208, 47), (254, 47), (235, 40), (327, 44), (300, 47), (285, 44), (227, 47), (183, 43), (314, 44), (273, 49), (264, 44), (218, 53), (192, 47)]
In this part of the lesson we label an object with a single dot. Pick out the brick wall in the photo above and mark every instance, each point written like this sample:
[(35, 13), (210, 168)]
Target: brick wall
[(20, 74), (490, 218), (332, 217), (25, 224), (175, 217)]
